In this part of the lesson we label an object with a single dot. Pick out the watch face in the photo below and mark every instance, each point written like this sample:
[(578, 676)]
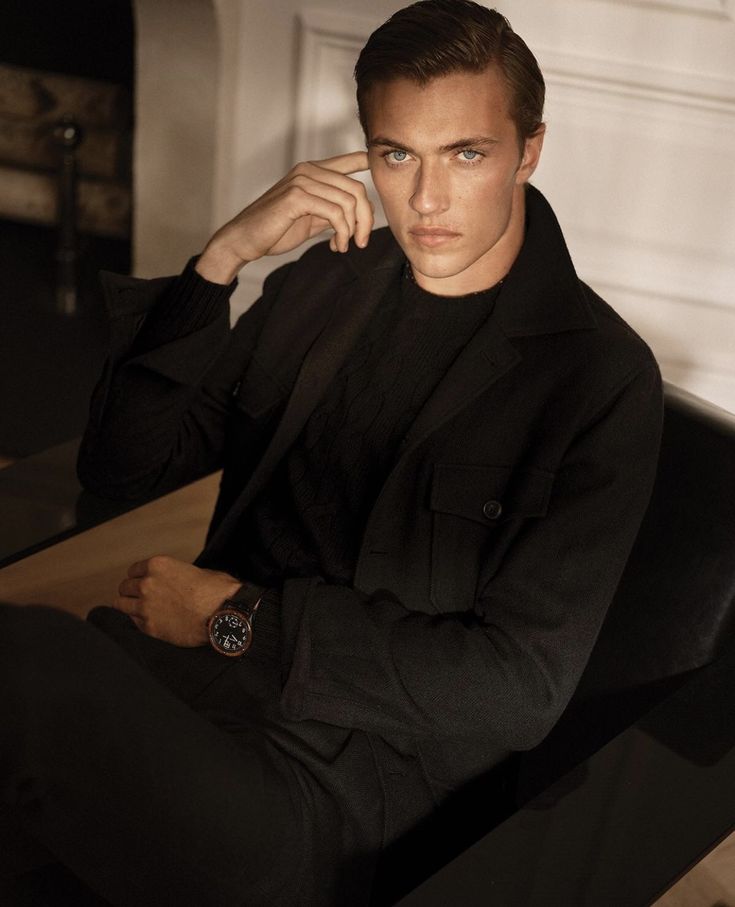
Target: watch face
[(230, 632)]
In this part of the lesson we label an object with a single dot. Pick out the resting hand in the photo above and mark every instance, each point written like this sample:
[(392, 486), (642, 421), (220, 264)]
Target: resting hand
[(312, 197), (172, 600)]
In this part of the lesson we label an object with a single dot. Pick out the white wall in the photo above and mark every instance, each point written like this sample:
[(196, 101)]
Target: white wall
[(176, 86), (638, 160), (639, 166)]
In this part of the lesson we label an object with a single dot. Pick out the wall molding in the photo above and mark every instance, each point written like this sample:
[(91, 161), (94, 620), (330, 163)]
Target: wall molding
[(711, 9), (702, 91), (324, 31), (328, 45)]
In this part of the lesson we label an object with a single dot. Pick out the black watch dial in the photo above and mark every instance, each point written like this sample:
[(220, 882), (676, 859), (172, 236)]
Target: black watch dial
[(230, 631)]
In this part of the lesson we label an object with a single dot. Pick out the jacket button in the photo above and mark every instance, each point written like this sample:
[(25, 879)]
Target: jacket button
[(492, 509)]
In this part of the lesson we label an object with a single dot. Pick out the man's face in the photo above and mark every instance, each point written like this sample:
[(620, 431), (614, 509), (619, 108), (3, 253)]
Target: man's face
[(446, 162)]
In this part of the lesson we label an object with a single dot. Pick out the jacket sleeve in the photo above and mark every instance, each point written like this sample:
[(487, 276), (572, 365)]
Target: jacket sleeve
[(505, 670), (158, 413)]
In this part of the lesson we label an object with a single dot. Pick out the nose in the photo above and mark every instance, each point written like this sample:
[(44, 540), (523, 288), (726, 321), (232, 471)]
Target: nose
[(431, 190)]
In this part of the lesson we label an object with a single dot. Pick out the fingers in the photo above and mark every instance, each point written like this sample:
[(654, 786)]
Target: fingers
[(140, 581), (304, 203), (329, 179), (342, 215), (313, 195), (130, 588), (158, 563), (353, 162), (139, 568), (133, 588), (130, 601), (128, 605)]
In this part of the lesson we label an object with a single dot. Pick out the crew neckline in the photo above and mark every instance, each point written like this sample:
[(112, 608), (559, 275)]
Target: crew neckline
[(410, 284)]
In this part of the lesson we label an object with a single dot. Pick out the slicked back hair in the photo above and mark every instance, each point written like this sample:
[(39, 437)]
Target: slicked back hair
[(434, 38)]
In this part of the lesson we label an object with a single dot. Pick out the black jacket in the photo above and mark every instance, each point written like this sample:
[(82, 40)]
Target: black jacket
[(497, 541)]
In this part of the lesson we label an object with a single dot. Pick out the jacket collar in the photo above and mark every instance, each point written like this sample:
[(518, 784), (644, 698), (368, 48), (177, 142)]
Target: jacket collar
[(542, 293)]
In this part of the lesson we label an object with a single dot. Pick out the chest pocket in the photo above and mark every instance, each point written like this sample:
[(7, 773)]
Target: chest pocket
[(476, 512)]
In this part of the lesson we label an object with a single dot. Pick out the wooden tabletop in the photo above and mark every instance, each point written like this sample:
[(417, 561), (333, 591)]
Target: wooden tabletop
[(84, 571)]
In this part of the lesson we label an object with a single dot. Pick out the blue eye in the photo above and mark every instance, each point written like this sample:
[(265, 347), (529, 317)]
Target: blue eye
[(398, 156), (469, 154)]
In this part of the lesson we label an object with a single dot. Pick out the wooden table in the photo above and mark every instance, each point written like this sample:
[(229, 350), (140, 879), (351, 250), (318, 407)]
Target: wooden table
[(83, 571)]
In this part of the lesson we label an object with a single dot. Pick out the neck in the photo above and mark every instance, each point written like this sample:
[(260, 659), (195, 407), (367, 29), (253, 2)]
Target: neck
[(493, 266)]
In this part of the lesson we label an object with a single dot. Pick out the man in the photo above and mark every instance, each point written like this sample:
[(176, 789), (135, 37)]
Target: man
[(437, 446)]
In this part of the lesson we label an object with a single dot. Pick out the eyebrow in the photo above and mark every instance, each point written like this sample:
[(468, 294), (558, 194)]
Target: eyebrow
[(471, 141)]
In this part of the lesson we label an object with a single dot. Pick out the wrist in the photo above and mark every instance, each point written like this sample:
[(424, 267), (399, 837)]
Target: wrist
[(218, 264), (230, 628), (230, 588)]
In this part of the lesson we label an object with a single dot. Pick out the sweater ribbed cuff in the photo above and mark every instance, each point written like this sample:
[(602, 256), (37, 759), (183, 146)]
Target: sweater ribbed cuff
[(189, 304)]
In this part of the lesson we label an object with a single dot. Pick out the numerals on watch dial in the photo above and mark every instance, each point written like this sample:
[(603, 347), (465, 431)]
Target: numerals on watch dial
[(230, 632)]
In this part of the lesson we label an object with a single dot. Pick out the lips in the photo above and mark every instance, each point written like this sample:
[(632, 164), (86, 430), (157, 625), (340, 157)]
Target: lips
[(432, 236)]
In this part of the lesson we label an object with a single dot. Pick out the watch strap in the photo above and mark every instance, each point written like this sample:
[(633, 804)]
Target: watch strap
[(246, 599)]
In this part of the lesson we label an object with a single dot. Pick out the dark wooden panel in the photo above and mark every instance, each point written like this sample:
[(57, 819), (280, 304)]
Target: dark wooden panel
[(103, 207), (44, 97), (28, 144)]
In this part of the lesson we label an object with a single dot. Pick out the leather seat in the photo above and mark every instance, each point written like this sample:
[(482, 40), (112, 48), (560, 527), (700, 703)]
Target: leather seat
[(674, 610)]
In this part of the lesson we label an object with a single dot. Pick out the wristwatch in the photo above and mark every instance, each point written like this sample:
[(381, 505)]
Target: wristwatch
[(230, 628)]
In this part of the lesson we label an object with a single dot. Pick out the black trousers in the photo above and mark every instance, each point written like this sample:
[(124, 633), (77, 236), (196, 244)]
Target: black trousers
[(121, 760)]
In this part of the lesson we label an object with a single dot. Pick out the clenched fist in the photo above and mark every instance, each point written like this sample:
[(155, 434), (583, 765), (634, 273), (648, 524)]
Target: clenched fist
[(312, 197), (172, 600)]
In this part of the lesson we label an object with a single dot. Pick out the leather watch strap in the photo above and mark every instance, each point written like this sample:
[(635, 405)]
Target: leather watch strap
[(247, 597)]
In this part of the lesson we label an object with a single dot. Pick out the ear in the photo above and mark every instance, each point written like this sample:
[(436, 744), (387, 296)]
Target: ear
[(531, 155)]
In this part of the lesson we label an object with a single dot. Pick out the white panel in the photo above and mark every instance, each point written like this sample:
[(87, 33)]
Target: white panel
[(693, 343), (638, 166), (326, 120)]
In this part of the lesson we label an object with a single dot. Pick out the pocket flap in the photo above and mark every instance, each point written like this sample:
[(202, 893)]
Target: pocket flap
[(490, 494)]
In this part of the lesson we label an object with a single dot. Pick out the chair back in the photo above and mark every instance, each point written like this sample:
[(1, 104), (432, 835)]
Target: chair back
[(674, 610)]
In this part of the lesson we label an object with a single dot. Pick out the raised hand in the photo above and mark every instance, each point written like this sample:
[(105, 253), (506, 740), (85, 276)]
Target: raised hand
[(312, 197), (172, 600)]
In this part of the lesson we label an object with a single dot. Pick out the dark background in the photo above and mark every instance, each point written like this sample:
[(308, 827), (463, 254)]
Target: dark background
[(49, 361)]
